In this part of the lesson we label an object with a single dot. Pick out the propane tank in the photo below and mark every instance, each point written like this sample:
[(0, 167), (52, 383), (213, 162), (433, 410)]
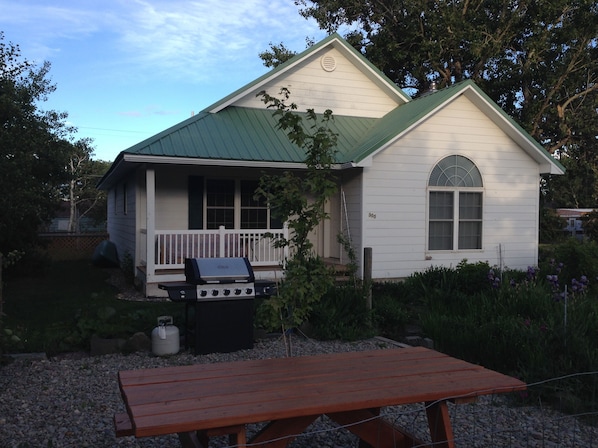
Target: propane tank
[(165, 337)]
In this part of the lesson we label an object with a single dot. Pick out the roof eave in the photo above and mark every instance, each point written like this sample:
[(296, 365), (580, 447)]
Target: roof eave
[(173, 160), (547, 163), (127, 162)]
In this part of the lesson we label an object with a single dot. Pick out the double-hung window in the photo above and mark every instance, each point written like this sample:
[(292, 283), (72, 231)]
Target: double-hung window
[(254, 212), (455, 204), (230, 203), (220, 203)]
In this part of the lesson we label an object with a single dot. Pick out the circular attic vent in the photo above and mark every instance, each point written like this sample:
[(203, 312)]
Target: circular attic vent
[(328, 63)]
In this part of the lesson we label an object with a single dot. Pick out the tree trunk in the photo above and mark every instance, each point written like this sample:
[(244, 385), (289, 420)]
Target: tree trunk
[(73, 218)]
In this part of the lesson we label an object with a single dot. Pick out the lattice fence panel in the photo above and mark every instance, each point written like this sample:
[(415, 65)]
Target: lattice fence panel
[(72, 246)]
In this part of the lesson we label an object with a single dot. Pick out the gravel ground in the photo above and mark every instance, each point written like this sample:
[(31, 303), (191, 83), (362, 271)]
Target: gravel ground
[(69, 401)]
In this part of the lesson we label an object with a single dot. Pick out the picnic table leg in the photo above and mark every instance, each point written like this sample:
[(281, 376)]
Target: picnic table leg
[(373, 431), (279, 433), (363, 443), (191, 440), (439, 423), (201, 439)]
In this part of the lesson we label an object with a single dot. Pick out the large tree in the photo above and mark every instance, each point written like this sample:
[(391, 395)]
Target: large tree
[(80, 191), (537, 59), (33, 150)]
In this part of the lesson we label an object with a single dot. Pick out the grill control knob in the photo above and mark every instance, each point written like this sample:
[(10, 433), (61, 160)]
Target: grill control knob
[(226, 292), (237, 291), (203, 293), (248, 291), (214, 292)]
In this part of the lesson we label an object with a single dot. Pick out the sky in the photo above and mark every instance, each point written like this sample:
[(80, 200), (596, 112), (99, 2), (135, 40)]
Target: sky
[(125, 70)]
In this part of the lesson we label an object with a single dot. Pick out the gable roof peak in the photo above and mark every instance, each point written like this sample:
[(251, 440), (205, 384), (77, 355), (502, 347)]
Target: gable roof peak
[(333, 40)]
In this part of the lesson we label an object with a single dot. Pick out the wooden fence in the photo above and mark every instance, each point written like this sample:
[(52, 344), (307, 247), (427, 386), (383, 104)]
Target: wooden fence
[(69, 246)]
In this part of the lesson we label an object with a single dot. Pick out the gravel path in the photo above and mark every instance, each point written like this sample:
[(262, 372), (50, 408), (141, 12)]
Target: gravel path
[(70, 401)]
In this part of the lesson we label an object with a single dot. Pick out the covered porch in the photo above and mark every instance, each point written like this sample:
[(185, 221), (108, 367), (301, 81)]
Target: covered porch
[(162, 258)]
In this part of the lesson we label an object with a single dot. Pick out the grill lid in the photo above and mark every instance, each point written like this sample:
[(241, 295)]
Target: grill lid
[(199, 271)]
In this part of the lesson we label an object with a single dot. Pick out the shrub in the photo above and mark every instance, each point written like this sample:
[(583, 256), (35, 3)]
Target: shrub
[(342, 314), (569, 260), (523, 325), (390, 316), (444, 285)]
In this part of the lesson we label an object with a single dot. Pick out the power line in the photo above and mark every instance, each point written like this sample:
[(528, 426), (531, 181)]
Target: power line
[(113, 130)]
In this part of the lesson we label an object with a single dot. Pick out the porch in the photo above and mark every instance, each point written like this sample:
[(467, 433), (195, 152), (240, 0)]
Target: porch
[(162, 257)]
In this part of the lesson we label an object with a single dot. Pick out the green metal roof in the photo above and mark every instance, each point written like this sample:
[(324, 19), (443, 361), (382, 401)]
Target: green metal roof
[(402, 118), (252, 135), (225, 132), (244, 134)]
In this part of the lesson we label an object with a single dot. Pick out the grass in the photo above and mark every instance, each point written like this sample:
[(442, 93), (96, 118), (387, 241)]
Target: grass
[(60, 309)]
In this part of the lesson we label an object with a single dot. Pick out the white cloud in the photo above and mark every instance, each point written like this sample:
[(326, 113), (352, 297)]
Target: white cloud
[(175, 39), (191, 38)]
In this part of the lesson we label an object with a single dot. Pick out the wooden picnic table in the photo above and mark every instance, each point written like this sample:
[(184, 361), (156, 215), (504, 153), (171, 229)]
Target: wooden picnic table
[(205, 400)]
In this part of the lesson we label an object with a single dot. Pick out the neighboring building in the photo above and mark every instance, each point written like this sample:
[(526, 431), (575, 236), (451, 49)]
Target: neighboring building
[(574, 216), (61, 220), (424, 182)]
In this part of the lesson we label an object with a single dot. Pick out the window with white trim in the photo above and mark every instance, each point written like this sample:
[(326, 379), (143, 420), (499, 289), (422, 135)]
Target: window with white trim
[(455, 201), (254, 211), (220, 203), (230, 203)]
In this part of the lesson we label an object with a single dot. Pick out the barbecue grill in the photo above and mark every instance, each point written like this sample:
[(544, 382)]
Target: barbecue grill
[(218, 294)]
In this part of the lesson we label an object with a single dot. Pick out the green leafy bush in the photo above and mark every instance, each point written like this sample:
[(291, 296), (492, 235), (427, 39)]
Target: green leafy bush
[(535, 325), (342, 313), (392, 310), (60, 309)]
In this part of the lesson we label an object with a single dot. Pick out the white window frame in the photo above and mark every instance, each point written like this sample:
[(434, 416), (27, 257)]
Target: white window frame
[(238, 207), (456, 218)]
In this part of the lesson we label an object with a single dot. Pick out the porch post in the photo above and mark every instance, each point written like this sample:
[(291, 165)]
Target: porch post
[(221, 236), (150, 206), (285, 234)]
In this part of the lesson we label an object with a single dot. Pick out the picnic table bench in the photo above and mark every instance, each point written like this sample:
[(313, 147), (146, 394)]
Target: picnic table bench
[(206, 400)]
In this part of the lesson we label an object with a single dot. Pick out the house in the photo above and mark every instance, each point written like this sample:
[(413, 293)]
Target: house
[(574, 219), (61, 221), (425, 182)]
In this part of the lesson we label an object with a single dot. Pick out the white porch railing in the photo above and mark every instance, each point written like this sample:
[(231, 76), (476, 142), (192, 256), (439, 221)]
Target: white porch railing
[(173, 246)]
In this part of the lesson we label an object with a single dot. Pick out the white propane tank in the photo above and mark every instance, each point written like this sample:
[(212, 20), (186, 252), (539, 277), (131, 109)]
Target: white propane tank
[(165, 337)]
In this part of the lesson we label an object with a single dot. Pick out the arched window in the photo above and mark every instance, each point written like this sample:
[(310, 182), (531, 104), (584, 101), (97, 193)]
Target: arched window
[(455, 205)]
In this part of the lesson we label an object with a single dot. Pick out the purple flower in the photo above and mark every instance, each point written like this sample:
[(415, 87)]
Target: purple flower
[(492, 278), (531, 272), (579, 286)]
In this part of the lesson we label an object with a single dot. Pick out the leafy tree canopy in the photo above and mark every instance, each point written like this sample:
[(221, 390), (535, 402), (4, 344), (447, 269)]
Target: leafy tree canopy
[(537, 59), (34, 150)]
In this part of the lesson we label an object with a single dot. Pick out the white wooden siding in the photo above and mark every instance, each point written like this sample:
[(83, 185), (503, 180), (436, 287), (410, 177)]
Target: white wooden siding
[(346, 90), (395, 201), (121, 226), (352, 215)]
